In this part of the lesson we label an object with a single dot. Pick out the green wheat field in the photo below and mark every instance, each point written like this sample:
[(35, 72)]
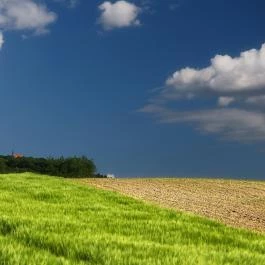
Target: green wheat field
[(50, 220)]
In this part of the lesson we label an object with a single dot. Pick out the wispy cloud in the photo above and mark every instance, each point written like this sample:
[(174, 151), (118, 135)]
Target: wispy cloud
[(1, 40), (69, 3), (174, 5)]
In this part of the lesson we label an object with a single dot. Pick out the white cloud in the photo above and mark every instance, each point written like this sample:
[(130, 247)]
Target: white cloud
[(25, 15), (224, 75), (225, 101), (239, 81), (1, 40), (118, 15)]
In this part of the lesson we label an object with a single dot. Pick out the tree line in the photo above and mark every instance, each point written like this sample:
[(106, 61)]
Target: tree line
[(71, 167)]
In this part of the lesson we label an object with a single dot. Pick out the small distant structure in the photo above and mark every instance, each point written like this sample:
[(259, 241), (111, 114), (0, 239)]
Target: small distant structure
[(110, 176), (15, 155)]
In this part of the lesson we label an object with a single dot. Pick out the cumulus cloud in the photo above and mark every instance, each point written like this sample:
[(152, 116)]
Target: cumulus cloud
[(25, 15), (238, 81), (118, 15), (225, 74)]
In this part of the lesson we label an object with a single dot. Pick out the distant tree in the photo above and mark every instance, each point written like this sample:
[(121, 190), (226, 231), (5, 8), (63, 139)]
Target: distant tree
[(3, 166), (75, 167)]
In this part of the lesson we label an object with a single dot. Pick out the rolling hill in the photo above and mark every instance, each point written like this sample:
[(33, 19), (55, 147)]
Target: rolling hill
[(50, 220)]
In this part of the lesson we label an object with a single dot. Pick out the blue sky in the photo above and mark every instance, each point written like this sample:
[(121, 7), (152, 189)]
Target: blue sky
[(110, 80)]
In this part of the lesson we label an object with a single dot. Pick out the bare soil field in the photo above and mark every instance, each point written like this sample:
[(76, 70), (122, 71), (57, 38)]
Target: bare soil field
[(233, 202)]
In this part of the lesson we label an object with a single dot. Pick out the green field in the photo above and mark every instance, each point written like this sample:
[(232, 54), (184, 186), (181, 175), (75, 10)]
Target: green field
[(48, 220)]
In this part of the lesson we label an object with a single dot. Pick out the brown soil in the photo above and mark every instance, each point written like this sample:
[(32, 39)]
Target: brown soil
[(236, 203)]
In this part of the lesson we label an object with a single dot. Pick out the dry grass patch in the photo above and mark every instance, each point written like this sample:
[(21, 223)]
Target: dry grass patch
[(233, 202)]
